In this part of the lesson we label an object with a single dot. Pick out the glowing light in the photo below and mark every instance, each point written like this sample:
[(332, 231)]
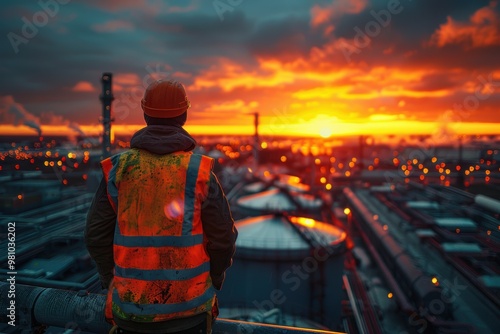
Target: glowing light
[(425, 170), (51, 164), (347, 211), (487, 172), (441, 170), (434, 159), (308, 222), (317, 161), (421, 177), (263, 145), (488, 232), (354, 159), (347, 173), (283, 158), (332, 159), (59, 163), (447, 171), (442, 177), (458, 168), (385, 227), (434, 281), (351, 164), (415, 161), (322, 180), (457, 230), (390, 295), (325, 132), (407, 172), (403, 167), (467, 172), (65, 182), (19, 196), (375, 217), (46, 163), (328, 186)]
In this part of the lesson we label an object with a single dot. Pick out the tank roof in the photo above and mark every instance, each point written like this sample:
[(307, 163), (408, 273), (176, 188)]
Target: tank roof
[(277, 232), (276, 200)]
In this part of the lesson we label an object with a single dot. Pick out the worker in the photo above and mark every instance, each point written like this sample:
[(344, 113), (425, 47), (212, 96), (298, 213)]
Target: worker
[(159, 227)]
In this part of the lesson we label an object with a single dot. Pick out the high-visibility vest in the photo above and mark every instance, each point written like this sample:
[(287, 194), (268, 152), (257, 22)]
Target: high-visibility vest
[(162, 269)]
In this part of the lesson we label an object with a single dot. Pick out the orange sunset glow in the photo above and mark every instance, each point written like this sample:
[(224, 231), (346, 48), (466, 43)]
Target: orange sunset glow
[(334, 68)]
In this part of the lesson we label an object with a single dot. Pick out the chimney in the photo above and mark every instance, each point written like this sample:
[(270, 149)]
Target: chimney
[(106, 98), (256, 145)]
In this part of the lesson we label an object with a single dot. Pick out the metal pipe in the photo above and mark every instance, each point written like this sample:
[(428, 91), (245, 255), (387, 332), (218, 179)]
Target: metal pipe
[(354, 306), (488, 203), (84, 311)]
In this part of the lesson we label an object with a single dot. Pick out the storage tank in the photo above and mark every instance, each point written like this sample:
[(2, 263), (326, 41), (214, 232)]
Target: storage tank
[(294, 264), (276, 201), (288, 182)]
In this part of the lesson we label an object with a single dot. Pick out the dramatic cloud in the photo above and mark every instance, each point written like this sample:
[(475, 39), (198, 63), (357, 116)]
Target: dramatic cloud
[(307, 64), (83, 86), (324, 14), (483, 29)]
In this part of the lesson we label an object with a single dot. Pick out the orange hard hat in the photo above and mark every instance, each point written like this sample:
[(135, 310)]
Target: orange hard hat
[(165, 99)]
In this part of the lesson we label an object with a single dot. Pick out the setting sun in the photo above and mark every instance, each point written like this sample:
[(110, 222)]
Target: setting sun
[(325, 132)]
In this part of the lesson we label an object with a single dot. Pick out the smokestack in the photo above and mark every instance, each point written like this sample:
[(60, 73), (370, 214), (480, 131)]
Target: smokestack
[(106, 98), (460, 182), (256, 141), (361, 152)]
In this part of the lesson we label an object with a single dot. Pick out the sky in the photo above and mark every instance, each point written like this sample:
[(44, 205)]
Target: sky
[(320, 68)]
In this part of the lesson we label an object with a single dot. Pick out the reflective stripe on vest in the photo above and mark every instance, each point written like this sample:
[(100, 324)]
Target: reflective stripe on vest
[(162, 270)]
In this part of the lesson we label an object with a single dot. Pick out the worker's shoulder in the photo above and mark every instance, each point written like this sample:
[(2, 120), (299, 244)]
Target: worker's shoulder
[(205, 160)]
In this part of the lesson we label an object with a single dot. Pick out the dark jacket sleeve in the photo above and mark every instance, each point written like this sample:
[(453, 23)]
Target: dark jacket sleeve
[(99, 233), (219, 229)]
